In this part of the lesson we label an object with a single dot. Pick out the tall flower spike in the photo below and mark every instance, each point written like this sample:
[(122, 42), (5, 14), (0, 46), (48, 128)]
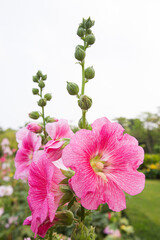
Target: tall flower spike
[(105, 163)]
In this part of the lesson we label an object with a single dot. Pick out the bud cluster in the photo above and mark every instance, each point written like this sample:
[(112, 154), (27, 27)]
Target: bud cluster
[(39, 78), (84, 102)]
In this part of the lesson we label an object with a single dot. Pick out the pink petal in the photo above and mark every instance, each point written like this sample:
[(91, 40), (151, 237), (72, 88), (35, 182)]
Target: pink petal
[(59, 130)]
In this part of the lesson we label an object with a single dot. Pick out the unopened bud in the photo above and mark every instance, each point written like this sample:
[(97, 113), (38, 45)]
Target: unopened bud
[(35, 91), (72, 88), (64, 188), (79, 53), (35, 79), (48, 96), (89, 73), (89, 23), (50, 119), (42, 102), (68, 173), (44, 77), (41, 84), (80, 32), (90, 39), (80, 123), (64, 217), (85, 102), (34, 127), (88, 31), (39, 74), (80, 232), (67, 197), (34, 115)]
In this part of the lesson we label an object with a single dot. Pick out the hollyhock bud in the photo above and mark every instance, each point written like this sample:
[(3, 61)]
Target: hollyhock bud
[(48, 96), (90, 39), (89, 73), (42, 102), (39, 74), (64, 217), (85, 102), (68, 173), (72, 88), (34, 127), (80, 32), (41, 84), (67, 197), (88, 31), (81, 232), (79, 53), (80, 123), (50, 119), (35, 79), (64, 188), (89, 23), (35, 91), (44, 77), (34, 115)]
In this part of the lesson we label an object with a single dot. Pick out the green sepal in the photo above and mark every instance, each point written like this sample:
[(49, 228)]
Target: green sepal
[(68, 173)]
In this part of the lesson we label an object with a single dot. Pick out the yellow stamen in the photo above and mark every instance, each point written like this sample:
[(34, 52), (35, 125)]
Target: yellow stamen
[(102, 175), (99, 165)]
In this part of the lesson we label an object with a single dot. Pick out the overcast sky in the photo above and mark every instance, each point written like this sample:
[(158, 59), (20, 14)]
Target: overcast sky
[(41, 34)]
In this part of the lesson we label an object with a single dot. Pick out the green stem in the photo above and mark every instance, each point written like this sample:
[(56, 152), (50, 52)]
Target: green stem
[(50, 234), (83, 78), (82, 91), (44, 122), (82, 213)]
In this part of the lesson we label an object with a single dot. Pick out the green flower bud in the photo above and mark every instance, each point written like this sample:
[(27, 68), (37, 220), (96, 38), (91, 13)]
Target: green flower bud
[(64, 217), (80, 232), (41, 84), (67, 197), (88, 31), (89, 23), (35, 79), (79, 53), (72, 88), (35, 91), (80, 123), (48, 96), (50, 119), (44, 77), (89, 73), (42, 102), (39, 74), (34, 115), (80, 32), (64, 188), (68, 173), (85, 102), (90, 39)]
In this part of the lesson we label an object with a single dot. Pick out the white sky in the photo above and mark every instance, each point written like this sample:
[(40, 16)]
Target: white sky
[(41, 34)]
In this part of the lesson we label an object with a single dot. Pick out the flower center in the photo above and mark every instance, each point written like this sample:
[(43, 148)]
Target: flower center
[(98, 166)]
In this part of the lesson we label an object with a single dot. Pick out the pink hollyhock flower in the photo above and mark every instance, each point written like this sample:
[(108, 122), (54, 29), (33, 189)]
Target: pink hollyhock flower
[(20, 135), (57, 131), (44, 194), (27, 154), (105, 163), (114, 232), (34, 127), (41, 228), (5, 142), (2, 159)]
